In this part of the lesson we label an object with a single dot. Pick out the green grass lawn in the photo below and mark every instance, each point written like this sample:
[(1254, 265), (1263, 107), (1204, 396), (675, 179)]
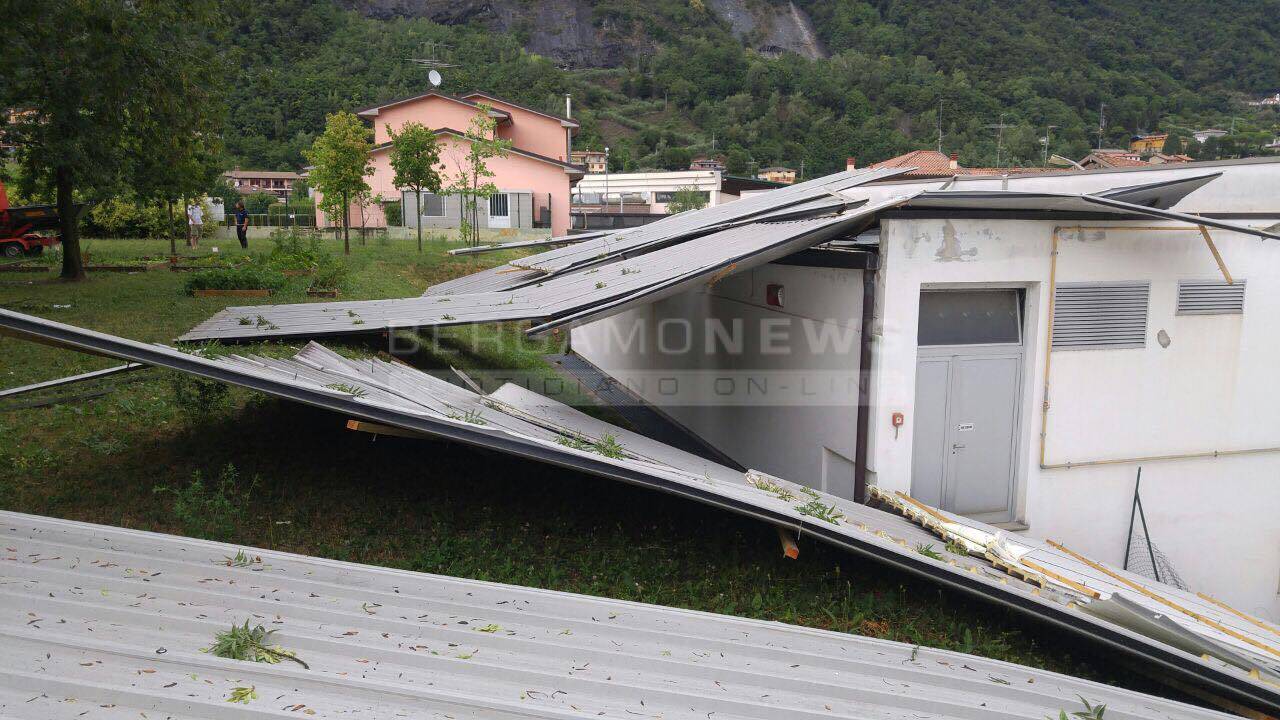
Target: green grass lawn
[(307, 485)]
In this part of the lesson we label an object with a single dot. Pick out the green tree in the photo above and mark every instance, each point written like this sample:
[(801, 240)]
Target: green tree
[(340, 160), (415, 154), (687, 198), (94, 82), (470, 182), (173, 168)]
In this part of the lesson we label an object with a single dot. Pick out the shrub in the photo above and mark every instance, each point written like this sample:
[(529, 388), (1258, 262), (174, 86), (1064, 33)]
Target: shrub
[(296, 248), (212, 510), (391, 210), (332, 274), (246, 277), (257, 203)]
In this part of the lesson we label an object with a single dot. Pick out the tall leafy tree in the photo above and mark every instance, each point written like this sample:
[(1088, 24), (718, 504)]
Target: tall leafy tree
[(415, 155), (340, 160), (471, 181), (89, 82)]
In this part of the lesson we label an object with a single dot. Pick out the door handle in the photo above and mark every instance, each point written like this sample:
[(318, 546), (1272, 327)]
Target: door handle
[(957, 446)]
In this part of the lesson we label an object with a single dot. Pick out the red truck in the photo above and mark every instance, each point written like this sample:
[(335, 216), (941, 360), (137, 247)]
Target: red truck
[(21, 227)]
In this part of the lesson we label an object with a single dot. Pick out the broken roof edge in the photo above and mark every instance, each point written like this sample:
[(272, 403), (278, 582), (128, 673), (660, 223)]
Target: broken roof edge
[(862, 214), (1187, 668)]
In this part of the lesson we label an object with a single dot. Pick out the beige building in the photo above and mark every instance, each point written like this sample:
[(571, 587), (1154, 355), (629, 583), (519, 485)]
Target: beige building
[(595, 161), (778, 174)]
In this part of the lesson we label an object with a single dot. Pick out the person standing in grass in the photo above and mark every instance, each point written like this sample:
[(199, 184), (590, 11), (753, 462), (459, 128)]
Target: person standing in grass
[(242, 224), (195, 223)]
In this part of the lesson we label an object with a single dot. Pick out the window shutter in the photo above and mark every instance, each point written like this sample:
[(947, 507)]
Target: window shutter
[(1210, 297), (1100, 315)]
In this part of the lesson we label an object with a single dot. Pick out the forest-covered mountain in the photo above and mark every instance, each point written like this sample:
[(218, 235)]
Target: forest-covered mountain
[(806, 83)]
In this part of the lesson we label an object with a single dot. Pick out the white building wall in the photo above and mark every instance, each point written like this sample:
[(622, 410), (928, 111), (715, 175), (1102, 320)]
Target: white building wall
[(1213, 388), (647, 184), (786, 403)]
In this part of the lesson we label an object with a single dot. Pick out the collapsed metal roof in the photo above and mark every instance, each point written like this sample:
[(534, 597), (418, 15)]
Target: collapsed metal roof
[(1237, 663), (568, 297), (609, 273), (104, 622)]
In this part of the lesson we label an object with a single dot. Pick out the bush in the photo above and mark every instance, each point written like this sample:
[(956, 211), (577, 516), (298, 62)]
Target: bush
[(297, 248), (212, 510), (126, 217), (247, 277), (331, 275), (392, 212), (257, 203)]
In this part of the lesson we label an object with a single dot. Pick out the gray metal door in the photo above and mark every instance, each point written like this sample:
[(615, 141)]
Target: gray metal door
[(966, 421), (968, 380)]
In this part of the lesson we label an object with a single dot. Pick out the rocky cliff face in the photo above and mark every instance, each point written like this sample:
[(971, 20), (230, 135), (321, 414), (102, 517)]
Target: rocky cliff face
[(568, 31)]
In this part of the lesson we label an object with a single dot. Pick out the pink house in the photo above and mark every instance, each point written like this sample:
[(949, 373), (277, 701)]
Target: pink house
[(533, 178)]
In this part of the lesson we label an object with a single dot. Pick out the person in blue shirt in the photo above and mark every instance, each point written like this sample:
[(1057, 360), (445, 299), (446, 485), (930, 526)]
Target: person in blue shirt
[(242, 224)]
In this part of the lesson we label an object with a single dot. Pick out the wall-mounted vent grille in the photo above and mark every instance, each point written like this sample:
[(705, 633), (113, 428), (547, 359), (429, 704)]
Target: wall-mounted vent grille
[(1210, 297), (1100, 315)]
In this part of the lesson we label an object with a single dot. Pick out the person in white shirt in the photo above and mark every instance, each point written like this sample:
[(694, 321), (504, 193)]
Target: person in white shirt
[(195, 223)]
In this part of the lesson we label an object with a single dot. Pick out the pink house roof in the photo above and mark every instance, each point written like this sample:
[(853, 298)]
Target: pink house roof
[(572, 170), (372, 110), (477, 94)]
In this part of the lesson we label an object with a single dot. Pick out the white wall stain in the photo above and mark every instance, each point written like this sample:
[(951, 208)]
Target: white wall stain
[(950, 250)]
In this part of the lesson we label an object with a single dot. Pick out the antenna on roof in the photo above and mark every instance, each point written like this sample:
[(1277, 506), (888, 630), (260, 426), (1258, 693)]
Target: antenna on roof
[(434, 77), (429, 55)]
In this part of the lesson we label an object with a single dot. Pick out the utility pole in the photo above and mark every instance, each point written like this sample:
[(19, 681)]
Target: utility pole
[(605, 200), (939, 125), (1102, 122), (1048, 133), (999, 128)]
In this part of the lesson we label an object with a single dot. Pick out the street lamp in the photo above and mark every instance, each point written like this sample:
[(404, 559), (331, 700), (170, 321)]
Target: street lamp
[(605, 203)]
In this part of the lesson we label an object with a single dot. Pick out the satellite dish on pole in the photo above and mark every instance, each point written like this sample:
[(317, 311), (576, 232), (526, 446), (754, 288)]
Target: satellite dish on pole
[(434, 77)]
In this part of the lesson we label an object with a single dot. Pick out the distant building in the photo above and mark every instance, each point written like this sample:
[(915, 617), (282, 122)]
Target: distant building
[(649, 192), (778, 174), (533, 177), (1112, 159), (707, 163), (1163, 159), (1145, 144), (1273, 145), (933, 164), (1202, 135), (272, 182), (1266, 101), (595, 161)]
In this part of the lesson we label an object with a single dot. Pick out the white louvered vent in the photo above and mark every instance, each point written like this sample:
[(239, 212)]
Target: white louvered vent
[(1100, 315), (1210, 297)]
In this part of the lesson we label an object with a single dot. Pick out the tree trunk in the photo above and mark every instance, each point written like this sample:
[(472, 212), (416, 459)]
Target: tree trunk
[(346, 225), (417, 208), (69, 224), (173, 239)]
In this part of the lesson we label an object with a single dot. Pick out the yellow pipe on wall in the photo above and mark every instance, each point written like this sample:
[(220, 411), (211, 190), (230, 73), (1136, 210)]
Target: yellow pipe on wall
[(1048, 358)]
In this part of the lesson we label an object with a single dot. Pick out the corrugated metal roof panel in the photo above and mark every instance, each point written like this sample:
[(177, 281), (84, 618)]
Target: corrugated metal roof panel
[(681, 225), (858, 528), (111, 622), (603, 289)]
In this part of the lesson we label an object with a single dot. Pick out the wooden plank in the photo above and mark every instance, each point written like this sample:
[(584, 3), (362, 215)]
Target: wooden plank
[(1217, 257), (1165, 601), (788, 539), (379, 429)]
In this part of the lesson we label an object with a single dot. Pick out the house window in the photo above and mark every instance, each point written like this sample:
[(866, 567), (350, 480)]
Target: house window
[(432, 205), (964, 317), (498, 205), (1210, 297), (1100, 315)]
